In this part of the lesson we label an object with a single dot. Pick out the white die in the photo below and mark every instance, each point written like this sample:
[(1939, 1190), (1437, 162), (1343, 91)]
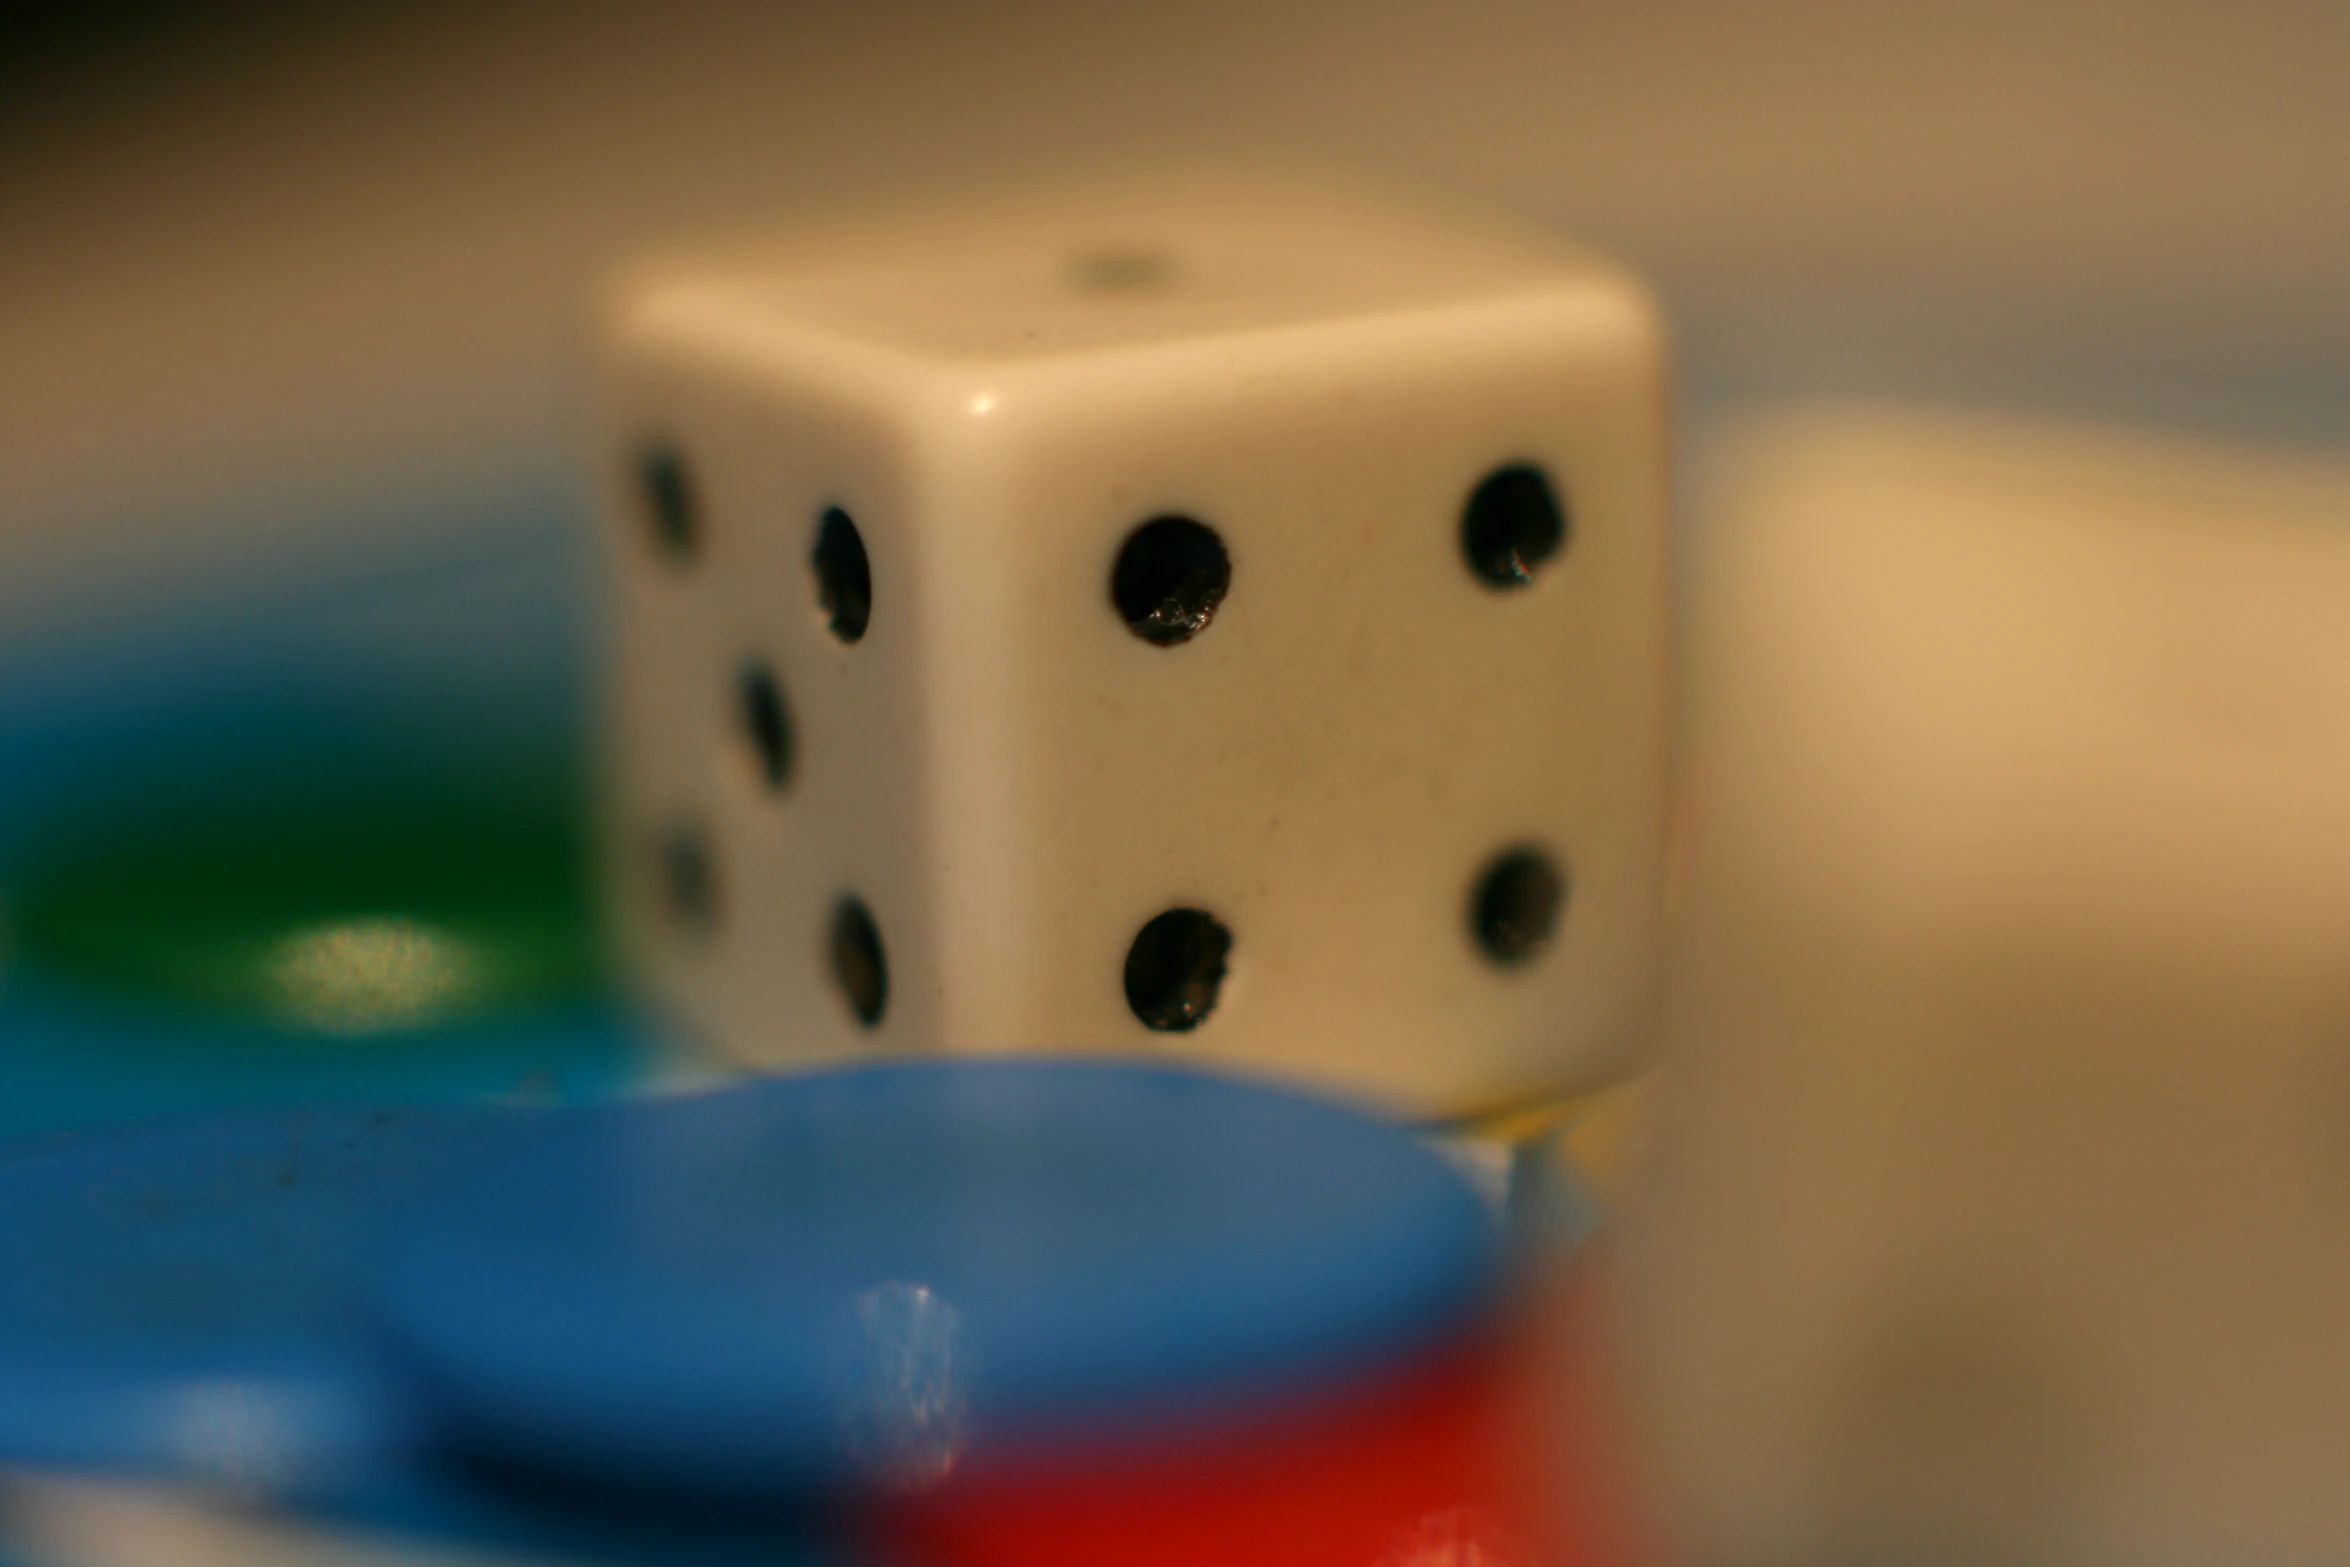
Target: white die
[(991, 791)]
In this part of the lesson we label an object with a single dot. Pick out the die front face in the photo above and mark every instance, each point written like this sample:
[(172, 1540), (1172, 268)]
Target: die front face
[(1266, 658), (1349, 640)]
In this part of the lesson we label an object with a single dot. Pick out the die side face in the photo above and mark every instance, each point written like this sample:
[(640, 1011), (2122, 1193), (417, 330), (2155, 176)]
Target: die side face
[(768, 819), (1215, 726)]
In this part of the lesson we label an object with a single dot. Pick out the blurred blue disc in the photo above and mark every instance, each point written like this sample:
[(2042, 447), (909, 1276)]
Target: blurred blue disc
[(178, 1301), (870, 1274)]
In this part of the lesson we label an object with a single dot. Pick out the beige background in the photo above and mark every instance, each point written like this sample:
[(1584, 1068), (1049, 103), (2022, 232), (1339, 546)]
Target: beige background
[(263, 281)]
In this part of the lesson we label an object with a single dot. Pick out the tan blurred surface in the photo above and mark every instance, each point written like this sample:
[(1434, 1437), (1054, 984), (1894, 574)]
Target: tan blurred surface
[(256, 274), (58, 1521), (1998, 1207)]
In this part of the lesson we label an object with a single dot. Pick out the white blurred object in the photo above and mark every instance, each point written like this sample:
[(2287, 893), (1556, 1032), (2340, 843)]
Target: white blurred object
[(2000, 1209)]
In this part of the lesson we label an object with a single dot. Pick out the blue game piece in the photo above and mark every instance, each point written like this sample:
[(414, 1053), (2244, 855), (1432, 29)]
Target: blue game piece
[(866, 1275), (176, 1301), (74, 1059)]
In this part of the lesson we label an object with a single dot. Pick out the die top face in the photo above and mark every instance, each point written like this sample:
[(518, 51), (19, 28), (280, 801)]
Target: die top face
[(1122, 275)]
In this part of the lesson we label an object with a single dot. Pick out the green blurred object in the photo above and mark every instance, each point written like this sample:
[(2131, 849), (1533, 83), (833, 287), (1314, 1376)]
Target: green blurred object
[(332, 914)]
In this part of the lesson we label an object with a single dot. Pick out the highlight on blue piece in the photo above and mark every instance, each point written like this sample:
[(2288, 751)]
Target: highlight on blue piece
[(868, 1276)]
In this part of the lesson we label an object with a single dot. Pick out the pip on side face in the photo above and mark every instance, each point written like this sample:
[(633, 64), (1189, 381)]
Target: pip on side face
[(1248, 647)]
